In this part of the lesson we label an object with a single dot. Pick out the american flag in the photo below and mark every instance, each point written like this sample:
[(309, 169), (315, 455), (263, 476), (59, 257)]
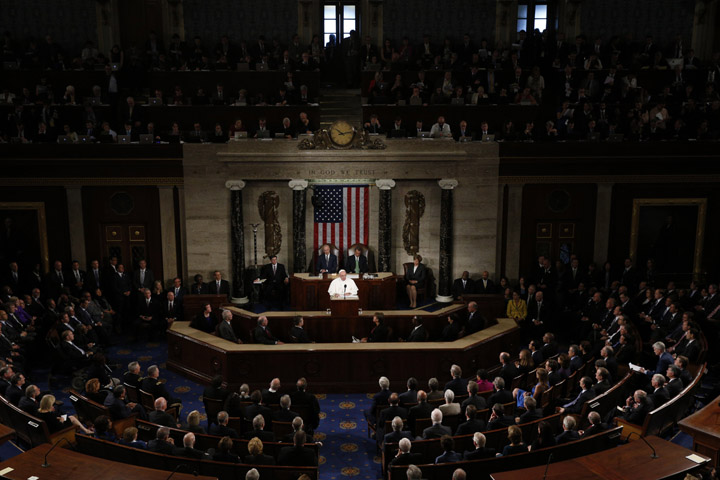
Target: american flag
[(342, 218)]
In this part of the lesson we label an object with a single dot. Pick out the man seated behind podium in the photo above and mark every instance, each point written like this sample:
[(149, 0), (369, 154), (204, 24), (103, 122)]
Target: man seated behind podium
[(343, 286), (327, 262), (357, 263)]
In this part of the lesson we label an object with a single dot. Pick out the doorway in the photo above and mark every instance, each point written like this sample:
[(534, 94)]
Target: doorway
[(339, 18)]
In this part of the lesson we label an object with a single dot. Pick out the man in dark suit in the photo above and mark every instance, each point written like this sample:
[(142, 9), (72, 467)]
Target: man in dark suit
[(380, 398), (263, 335), (480, 451), (171, 311), (15, 392), (218, 286), (142, 277), (531, 413), (419, 333), (285, 414), (301, 397), (422, 410), (271, 395), (163, 442), (297, 332), (463, 285), (498, 419), (76, 279), (160, 416), (115, 401), (357, 263), (475, 321), (471, 424), (473, 398), (501, 395), (658, 393), (327, 262), (387, 414), (55, 281), (410, 395), (94, 278), (485, 285), (257, 408), (71, 352), (225, 329), (596, 425), (637, 407), (221, 429), (437, 429), (13, 278), (188, 449), (122, 289), (576, 361), (404, 456), (147, 311), (568, 434), (298, 455), (586, 393), (178, 290), (152, 385), (508, 371), (276, 282), (132, 377), (458, 385), (29, 403), (397, 433), (259, 431), (538, 313)]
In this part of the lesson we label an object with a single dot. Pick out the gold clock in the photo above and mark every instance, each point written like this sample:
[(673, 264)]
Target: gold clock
[(341, 133)]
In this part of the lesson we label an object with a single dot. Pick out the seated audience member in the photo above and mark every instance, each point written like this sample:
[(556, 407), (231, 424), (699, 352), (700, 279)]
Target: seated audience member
[(637, 407), (103, 430), (298, 455), (29, 402), (450, 407), (658, 393), (255, 454), (437, 429), (205, 320), (163, 442), (132, 377), (404, 456), (193, 423), (188, 449), (480, 450), (410, 395), (284, 414), (501, 395), (435, 393), (569, 434), (586, 393), (160, 416), (516, 443), (221, 429), (258, 423), (397, 433), (596, 425), (129, 439), (472, 424), (215, 390), (498, 418), (531, 413), (387, 414), (157, 388), (449, 454), (55, 423), (224, 451), (545, 437), (483, 381)]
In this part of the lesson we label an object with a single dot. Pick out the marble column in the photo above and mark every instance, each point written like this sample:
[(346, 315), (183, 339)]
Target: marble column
[(385, 185), (76, 226), (445, 277), (167, 231), (512, 233), (237, 237), (602, 222), (299, 207)]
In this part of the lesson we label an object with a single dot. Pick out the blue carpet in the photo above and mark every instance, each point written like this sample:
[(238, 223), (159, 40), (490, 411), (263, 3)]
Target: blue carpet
[(346, 452)]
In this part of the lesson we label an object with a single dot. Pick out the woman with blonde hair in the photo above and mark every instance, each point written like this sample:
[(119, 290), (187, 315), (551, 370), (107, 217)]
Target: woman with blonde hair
[(92, 391), (256, 456), (193, 421), (516, 443), (46, 412), (525, 362)]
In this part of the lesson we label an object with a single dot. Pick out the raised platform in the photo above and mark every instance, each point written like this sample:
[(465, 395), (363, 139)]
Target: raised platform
[(346, 367)]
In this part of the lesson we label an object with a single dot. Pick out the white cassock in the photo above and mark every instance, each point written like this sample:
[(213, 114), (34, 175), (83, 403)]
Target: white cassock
[(340, 287)]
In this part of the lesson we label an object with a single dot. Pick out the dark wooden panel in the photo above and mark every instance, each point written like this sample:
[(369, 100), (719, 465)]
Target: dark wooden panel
[(343, 369), (192, 304), (97, 211), (491, 306), (375, 294)]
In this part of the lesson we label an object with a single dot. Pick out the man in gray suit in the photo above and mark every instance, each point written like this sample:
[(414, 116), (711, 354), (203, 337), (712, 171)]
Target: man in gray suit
[(225, 328)]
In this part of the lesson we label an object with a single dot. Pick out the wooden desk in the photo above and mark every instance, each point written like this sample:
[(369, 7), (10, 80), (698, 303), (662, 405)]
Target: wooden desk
[(6, 433), (346, 367), (340, 326), (631, 462), (192, 304), (310, 293), (65, 464), (704, 427)]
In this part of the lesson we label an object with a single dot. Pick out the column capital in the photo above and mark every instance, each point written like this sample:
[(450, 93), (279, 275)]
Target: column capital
[(298, 184), (235, 184), (385, 183), (448, 183)]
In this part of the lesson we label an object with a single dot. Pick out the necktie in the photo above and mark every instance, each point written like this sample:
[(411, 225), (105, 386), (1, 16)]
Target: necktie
[(142, 277), (77, 348), (357, 264), (77, 276), (218, 286), (60, 276), (177, 290), (170, 306), (147, 302), (274, 269)]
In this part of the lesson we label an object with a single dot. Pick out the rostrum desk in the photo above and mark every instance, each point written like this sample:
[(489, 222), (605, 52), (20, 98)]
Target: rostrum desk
[(309, 292)]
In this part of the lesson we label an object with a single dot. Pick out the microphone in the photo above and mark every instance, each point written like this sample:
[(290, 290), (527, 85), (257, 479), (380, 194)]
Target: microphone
[(344, 288), (177, 468), (654, 453), (45, 463), (547, 465)]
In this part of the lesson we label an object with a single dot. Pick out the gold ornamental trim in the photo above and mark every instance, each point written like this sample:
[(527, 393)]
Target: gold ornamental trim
[(540, 179), (90, 181)]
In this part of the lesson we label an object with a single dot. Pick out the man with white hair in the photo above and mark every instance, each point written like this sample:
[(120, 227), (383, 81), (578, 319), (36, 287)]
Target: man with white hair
[(342, 286), (271, 395), (380, 398), (404, 456), (160, 416), (414, 472), (569, 434), (225, 328), (664, 360), (459, 474), (658, 394), (188, 449), (458, 385), (437, 429), (397, 433), (480, 451), (252, 474)]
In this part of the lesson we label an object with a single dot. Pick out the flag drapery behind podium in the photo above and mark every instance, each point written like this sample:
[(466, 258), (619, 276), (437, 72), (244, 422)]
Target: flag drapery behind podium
[(341, 218)]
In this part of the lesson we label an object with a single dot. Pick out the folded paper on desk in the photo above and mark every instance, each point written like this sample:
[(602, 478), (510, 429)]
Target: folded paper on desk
[(697, 458)]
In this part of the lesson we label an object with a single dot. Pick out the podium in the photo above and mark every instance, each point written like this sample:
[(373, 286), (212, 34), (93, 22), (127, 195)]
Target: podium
[(345, 306)]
